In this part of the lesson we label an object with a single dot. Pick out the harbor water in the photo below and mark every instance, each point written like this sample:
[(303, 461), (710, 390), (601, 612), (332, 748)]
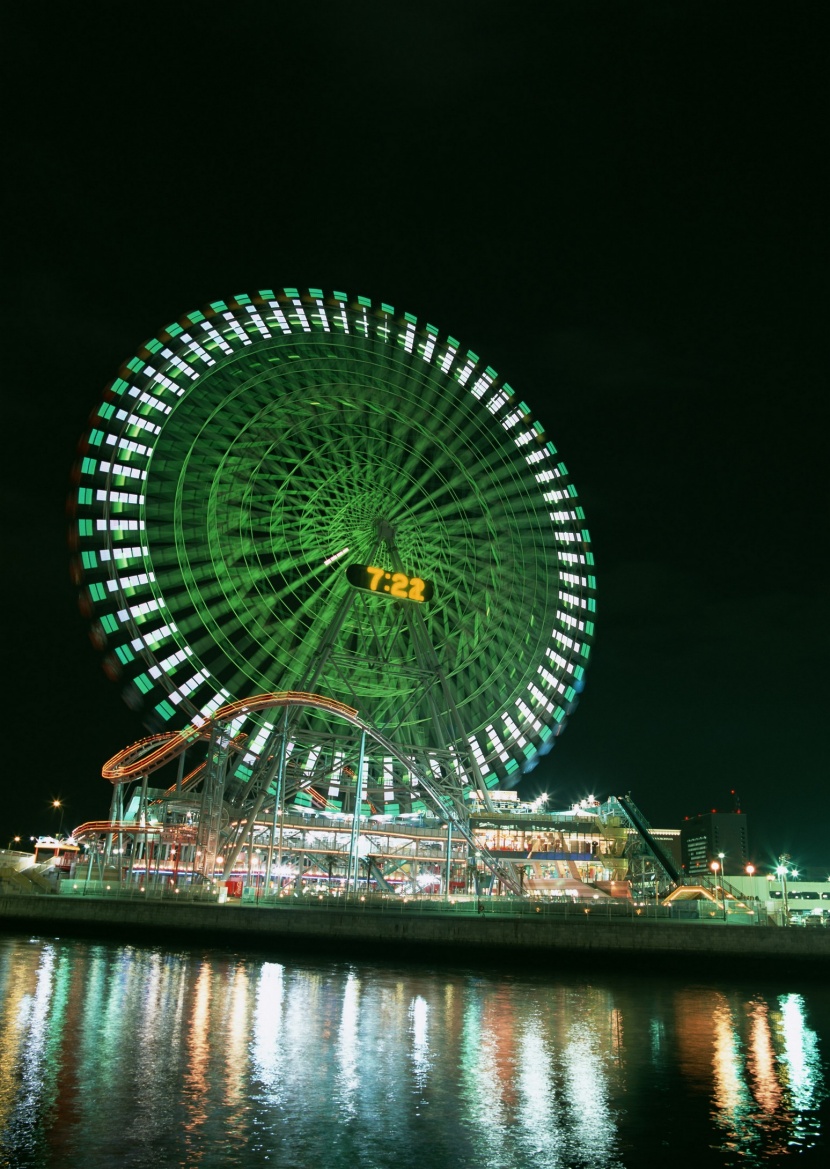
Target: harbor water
[(114, 1054)]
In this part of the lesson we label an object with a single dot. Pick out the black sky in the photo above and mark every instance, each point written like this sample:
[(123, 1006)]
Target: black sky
[(622, 206)]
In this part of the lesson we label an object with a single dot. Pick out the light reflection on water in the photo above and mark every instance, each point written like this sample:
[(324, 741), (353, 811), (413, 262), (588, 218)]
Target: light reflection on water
[(138, 1056)]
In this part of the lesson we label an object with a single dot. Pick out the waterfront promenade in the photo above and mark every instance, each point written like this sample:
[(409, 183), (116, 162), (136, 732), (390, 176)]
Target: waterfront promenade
[(499, 928)]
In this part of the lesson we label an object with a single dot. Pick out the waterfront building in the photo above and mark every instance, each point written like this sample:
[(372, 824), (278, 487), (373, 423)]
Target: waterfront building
[(800, 901), (585, 849), (714, 838)]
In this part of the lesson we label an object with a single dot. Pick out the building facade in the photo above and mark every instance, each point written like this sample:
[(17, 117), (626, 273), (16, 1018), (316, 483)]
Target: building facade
[(714, 837)]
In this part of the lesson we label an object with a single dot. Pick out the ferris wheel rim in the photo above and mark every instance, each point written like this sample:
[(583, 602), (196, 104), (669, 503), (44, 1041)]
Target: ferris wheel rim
[(487, 398)]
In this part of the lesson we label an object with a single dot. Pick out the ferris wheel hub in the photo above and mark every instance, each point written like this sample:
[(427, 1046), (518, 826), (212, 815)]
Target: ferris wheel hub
[(386, 533)]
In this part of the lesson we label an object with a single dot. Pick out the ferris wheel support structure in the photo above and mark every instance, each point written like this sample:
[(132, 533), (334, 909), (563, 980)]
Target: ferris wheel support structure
[(221, 746), (447, 728), (429, 662)]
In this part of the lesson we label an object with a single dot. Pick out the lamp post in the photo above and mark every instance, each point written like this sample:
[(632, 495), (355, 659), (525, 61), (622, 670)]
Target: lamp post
[(715, 867), (750, 872), (781, 872), (58, 804), (722, 859)]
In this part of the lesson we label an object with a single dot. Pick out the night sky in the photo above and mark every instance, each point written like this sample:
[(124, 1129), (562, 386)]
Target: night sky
[(621, 206)]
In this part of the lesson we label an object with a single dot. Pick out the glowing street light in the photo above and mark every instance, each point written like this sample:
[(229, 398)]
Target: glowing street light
[(781, 873), (722, 859), (59, 804), (716, 869)]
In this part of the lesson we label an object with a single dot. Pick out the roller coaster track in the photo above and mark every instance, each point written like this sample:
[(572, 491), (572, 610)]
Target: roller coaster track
[(148, 755), (167, 833)]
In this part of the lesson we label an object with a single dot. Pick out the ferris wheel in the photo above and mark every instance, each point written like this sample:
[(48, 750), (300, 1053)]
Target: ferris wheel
[(296, 490)]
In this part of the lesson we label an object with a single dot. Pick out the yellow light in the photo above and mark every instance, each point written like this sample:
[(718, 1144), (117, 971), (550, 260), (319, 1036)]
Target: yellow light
[(394, 584)]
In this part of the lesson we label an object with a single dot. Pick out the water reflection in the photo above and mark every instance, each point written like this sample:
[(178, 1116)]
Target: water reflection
[(803, 1071), (732, 1099), (348, 1040), (760, 1062), (198, 1051), (140, 1057), (769, 1080), (266, 1052), (419, 1019)]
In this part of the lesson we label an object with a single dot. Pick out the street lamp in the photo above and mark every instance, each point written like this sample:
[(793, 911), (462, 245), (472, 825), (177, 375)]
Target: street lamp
[(781, 872), (58, 804), (715, 867)]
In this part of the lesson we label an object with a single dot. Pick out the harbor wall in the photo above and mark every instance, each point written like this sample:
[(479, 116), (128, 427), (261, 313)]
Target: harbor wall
[(368, 931)]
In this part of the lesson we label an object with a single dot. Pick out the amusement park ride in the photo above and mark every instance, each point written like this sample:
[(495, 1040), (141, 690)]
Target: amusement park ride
[(340, 570)]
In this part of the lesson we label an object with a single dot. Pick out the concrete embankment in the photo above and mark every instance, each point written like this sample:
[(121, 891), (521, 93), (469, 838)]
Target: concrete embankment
[(454, 933)]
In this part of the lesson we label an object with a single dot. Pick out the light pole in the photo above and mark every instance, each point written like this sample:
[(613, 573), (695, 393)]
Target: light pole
[(14, 840), (781, 871), (58, 804), (722, 859), (750, 872), (715, 867)]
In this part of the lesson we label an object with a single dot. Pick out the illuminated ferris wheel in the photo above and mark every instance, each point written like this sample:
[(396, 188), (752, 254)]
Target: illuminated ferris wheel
[(296, 491)]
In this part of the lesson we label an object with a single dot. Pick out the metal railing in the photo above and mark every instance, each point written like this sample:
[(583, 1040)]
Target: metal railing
[(564, 908)]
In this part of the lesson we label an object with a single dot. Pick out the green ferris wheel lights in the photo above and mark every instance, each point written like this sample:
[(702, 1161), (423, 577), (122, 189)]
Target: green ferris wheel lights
[(244, 459)]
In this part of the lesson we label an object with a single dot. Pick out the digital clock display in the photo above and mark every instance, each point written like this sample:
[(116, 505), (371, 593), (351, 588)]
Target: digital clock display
[(390, 584)]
